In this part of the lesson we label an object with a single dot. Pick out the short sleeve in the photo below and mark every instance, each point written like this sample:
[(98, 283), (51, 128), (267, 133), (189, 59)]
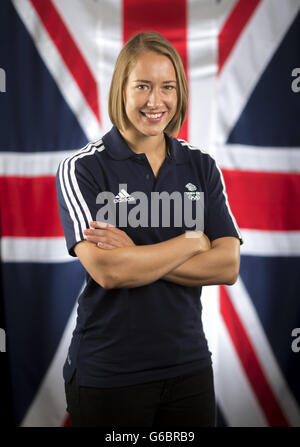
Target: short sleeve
[(219, 220), (76, 195)]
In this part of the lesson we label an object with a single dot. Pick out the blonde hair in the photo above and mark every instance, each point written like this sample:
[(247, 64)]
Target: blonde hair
[(138, 44)]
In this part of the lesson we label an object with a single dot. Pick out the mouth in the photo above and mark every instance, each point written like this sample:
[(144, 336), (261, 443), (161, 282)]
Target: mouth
[(153, 117)]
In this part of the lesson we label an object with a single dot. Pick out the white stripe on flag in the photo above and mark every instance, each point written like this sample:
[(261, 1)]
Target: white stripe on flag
[(96, 27), (202, 49), (249, 58), (48, 250), (33, 164), (234, 393), (58, 69), (249, 318), (270, 243), (48, 408), (254, 158)]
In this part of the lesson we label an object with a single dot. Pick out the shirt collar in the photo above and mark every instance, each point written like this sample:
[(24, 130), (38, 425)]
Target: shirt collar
[(118, 149)]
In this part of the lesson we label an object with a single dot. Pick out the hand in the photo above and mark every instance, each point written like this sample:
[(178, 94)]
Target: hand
[(107, 236)]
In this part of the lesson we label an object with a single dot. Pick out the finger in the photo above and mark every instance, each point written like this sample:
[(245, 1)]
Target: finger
[(96, 232), (112, 235), (94, 236), (120, 236), (102, 225), (106, 226), (122, 239), (117, 237), (98, 239)]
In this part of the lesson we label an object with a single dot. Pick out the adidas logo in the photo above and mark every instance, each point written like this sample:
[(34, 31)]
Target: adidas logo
[(123, 196)]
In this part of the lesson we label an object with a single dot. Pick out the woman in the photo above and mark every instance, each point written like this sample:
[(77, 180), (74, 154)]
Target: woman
[(138, 355)]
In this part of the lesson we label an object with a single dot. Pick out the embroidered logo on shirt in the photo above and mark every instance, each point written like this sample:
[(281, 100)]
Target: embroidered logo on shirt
[(192, 193), (123, 196), (191, 187)]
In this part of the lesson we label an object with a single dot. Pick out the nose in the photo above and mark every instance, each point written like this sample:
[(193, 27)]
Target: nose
[(154, 99)]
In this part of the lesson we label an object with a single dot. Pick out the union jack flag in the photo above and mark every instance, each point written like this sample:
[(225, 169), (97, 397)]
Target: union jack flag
[(240, 58)]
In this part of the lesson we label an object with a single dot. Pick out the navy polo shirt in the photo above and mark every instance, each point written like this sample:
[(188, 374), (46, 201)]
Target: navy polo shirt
[(126, 336)]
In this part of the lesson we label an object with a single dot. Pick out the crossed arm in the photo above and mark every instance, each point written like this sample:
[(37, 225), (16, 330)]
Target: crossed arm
[(114, 261)]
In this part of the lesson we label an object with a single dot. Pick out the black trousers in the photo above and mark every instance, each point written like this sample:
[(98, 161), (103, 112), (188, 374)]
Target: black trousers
[(186, 401)]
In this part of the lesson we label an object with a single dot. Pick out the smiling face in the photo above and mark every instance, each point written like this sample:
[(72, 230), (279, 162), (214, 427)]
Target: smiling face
[(150, 95)]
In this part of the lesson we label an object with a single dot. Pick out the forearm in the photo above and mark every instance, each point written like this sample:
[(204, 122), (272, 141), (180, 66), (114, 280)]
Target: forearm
[(215, 266), (140, 265)]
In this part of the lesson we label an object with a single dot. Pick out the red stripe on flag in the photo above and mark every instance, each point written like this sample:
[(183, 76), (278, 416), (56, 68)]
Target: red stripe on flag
[(250, 363), (29, 207), (264, 200), (69, 51), (170, 20), (233, 27)]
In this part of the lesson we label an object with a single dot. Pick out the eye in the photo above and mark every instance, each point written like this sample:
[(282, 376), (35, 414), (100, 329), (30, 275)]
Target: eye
[(169, 87), (142, 87)]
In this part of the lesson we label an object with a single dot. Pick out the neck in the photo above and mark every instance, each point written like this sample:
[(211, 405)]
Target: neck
[(151, 146)]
